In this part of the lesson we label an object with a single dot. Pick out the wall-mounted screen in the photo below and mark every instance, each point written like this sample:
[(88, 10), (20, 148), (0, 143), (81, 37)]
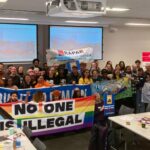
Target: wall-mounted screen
[(76, 38), (18, 42)]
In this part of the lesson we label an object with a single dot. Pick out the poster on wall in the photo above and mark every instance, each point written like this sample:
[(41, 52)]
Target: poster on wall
[(145, 58)]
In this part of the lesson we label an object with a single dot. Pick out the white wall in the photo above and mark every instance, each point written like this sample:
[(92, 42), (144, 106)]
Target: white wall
[(126, 44)]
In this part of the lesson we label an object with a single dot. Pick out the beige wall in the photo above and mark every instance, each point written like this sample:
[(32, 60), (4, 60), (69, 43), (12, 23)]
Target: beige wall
[(126, 44)]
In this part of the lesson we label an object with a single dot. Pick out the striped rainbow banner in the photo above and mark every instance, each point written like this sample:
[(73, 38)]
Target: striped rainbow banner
[(79, 114)]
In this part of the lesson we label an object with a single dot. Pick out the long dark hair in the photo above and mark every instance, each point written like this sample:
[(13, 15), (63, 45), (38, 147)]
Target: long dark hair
[(75, 94), (83, 74)]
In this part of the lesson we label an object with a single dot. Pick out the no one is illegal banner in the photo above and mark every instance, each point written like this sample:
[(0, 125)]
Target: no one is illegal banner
[(51, 117)]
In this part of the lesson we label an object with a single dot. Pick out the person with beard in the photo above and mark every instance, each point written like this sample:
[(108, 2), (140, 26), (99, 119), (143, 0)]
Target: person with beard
[(128, 72), (13, 97), (14, 76)]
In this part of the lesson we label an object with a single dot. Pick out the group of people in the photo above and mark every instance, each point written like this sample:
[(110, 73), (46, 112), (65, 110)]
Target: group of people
[(37, 77), (48, 76)]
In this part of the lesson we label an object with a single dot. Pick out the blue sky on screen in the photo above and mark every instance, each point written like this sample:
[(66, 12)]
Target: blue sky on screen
[(69, 38), (9, 32), (83, 35), (18, 42)]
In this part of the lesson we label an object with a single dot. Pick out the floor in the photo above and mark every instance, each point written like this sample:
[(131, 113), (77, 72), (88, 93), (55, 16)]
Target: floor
[(79, 141), (68, 141)]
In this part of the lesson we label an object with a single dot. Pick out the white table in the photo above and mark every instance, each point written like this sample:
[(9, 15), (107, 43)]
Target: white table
[(135, 125), (26, 144)]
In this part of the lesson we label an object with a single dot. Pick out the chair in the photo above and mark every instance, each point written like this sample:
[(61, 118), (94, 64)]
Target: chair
[(125, 110), (39, 144), (27, 131), (98, 139)]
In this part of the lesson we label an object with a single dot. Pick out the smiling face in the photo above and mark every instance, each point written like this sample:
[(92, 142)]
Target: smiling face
[(20, 69), (13, 70), (86, 73), (27, 78), (40, 79), (52, 71), (95, 74), (14, 96)]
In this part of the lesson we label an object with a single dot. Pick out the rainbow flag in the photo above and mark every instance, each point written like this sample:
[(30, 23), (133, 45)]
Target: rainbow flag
[(52, 117)]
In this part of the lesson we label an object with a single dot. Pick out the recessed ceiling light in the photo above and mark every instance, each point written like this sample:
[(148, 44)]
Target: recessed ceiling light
[(3, 1), (117, 9), (88, 22), (6, 18), (137, 24)]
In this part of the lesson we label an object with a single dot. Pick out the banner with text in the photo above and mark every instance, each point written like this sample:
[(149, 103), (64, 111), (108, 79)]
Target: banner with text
[(66, 92), (64, 55), (50, 117), (109, 104)]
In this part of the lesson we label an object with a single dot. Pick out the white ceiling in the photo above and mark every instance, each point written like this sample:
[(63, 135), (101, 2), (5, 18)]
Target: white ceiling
[(35, 10)]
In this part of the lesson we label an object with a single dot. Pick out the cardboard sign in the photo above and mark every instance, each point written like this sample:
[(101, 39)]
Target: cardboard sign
[(109, 104)]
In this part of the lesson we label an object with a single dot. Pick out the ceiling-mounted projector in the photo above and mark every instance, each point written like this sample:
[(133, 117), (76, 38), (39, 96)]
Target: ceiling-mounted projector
[(75, 8)]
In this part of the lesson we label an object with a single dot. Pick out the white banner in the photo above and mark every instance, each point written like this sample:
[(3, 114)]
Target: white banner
[(54, 55)]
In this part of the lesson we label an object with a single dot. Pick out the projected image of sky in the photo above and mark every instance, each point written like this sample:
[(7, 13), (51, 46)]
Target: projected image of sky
[(68, 38), (17, 43)]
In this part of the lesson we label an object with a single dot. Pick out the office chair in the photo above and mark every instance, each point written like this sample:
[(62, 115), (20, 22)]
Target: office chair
[(39, 144), (28, 132)]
